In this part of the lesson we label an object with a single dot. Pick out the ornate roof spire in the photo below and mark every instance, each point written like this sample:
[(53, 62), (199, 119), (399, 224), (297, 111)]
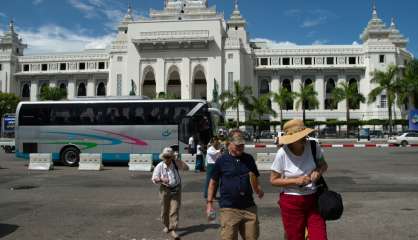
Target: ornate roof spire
[(236, 5), (376, 28), (397, 38), (374, 11), (11, 26)]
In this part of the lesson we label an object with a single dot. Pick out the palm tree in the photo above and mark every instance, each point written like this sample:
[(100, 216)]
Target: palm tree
[(386, 82), (259, 107), (282, 98), (352, 97), (410, 82), (238, 96), (306, 98), (52, 93)]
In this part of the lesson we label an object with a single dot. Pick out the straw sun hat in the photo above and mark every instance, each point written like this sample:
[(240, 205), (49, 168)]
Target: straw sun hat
[(294, 130)]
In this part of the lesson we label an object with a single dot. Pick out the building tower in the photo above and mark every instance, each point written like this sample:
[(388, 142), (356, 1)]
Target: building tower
[(11, 47)]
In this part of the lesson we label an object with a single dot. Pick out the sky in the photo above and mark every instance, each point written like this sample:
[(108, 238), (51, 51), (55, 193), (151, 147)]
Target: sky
[(74, 25)]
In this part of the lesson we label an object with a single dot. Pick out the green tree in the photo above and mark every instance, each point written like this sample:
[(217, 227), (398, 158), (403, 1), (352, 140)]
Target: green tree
[(306, 98), (8, 103), (164, 95), (352, 97), (409, 82), (259, 107), (283, 97), (52, 93), (238, 96), (387, 81)]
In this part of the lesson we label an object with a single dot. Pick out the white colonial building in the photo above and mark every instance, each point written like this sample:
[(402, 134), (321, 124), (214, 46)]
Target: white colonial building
[(188, 47)]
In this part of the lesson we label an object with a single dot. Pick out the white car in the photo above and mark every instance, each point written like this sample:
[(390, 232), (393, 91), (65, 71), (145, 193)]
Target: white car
[(404, 139)]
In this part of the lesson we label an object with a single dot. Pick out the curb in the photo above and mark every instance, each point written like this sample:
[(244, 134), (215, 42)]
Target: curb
[(367, 145)]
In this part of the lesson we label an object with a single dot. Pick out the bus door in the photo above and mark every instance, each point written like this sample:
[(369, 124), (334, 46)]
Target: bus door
[(185, 131)]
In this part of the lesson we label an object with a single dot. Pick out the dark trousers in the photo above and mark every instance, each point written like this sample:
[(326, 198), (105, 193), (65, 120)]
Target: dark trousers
[(199, 163)]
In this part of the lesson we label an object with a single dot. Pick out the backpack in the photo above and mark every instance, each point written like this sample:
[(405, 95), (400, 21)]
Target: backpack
[(330, 203)]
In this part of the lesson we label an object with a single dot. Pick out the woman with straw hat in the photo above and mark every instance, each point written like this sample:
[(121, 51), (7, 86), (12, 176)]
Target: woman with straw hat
[(295, 171)]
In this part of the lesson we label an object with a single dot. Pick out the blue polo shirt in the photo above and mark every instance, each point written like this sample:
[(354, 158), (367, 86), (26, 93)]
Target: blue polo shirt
[(235, 186)]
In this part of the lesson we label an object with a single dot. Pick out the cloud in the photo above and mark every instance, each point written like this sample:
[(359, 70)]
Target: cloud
[(273, 44), (52, 38), (310, 18), (293, 12), (320, 42), (313, 22), (3, 15), (88, 10), (355, 43), (37, 2)]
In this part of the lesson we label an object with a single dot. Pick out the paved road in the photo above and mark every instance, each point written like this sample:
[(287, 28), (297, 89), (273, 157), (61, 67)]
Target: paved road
[(379, 187)]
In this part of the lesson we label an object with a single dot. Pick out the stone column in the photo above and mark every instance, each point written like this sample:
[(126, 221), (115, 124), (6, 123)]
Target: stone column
[(34, 90), (71, 88), (320, 88), (297, 81), (342, 78), (275, 86), (160, 76), (186, 79), (91, 87)]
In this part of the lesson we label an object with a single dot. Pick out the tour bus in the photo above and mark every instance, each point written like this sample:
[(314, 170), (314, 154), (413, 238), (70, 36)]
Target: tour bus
[(113, 127)]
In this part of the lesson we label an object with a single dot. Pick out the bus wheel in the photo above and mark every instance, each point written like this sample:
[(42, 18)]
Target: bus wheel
[(70, 156)]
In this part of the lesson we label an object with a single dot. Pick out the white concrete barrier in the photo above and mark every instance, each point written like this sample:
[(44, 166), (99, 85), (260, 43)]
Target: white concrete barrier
[(40, 161), (190, 160), (90, 161), (140, 162), (265, 160)]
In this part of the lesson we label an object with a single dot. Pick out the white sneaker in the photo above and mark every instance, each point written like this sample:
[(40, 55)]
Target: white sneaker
[(174, 234)]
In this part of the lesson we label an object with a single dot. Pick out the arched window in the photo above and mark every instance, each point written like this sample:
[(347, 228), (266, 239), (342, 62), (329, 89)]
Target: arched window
[(287, 84), (199, 85), (174, 82), (101, 89), (307, 82), (329, 103), (149, 84), (26, 91), (63, 86), (81, 91), (354, 105), (264, 86)]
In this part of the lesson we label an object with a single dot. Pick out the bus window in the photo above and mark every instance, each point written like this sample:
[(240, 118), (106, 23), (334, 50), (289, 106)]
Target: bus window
[(138, 116), (87, 116)]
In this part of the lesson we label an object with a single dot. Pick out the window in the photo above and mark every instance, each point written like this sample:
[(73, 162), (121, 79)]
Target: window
[(264, 61), (230, 81), (101, 89), (286, 61), (81, 66), (44, 67), (230, 56), (1, 67), (81, 91), (120, 59), (119, 84), (63, 66), (308, 61), (351, 60), (330, 60), (101, 65), (26, 67), (381, 58), (383, 101)]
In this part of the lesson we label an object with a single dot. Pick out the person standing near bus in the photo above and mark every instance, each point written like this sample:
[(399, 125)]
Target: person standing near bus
[(191, 146), (213, 153), (167, 175)]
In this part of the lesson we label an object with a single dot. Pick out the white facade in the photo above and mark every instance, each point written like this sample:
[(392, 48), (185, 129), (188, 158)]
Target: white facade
[(188, 47)]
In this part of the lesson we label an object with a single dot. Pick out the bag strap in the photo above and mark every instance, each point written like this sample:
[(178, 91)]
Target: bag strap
[(313, 149), (177, 170), (321, 180)]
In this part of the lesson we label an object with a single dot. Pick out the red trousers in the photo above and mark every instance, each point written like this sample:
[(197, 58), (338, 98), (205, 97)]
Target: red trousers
[(300, 212)]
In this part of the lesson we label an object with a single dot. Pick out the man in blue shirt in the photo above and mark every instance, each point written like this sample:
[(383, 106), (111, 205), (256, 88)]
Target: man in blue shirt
[(237, 173)]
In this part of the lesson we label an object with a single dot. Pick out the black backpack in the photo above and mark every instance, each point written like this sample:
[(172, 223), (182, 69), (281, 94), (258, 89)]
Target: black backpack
[(330, 203)]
